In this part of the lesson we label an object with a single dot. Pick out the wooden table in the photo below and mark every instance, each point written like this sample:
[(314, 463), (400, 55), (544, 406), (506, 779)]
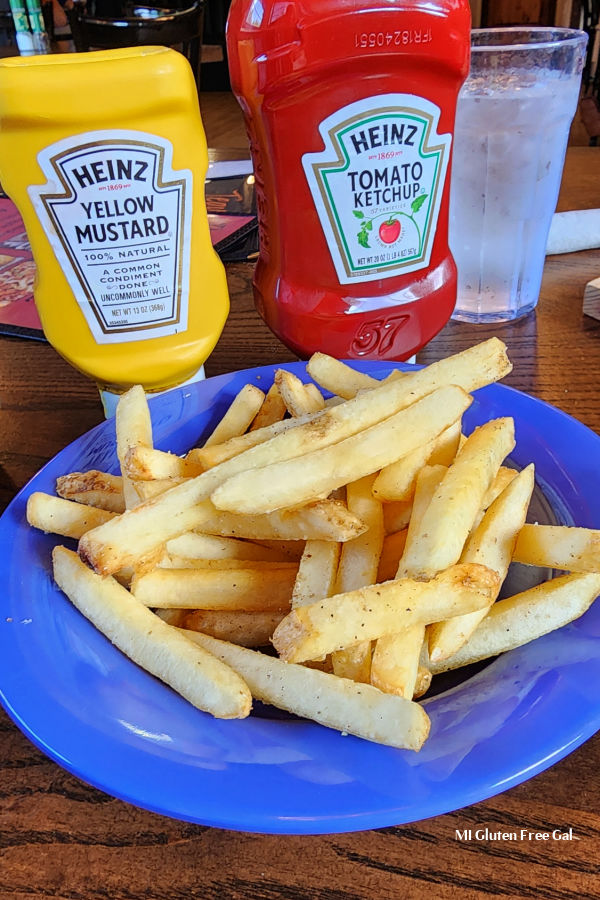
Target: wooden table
[(61, 838)]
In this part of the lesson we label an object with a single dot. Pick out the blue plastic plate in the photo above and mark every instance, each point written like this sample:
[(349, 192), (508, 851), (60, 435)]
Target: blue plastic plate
[(111, 724)]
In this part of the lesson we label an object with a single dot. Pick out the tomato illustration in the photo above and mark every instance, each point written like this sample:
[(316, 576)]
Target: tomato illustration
[(389, 231)]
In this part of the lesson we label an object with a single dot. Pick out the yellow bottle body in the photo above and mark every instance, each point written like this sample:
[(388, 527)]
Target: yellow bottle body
[(105, 156)]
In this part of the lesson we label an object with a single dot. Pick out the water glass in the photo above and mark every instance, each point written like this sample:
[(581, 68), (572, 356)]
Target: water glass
[(512, 125)]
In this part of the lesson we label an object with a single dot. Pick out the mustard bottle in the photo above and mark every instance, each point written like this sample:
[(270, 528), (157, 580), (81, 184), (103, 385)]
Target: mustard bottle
[(105, 156)]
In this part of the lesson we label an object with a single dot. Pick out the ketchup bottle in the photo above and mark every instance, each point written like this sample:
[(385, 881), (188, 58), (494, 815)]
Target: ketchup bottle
[(349, 107)]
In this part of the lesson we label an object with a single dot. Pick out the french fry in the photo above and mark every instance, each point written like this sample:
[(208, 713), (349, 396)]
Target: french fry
[(446, 446), (172, 616), (333, 401), (398, 480), (424, 673), (324, 520), (491, 544), (93, 488), (134, 420), (273, 409), (134, 429), (323, 665), (210, 546), (310, 632), (208, 457), (470, 369), (239, 416), (291, 550), (64, 517), (391, 552), (316, 573), (451, 513), (359, 559), (231, 589), (300, 399), (428, 482), (172, 561), (147, 490), (313, 391), (501, 481), (178, 509), (396, 515), (559, 547), (337, 377), (139, 532), (395, 665), (293, 482), (423, 682), (359, 562), (395, 662), (338, 703), (524, 617), (143, 565), (148, 464), (247, 629), (195, 673)]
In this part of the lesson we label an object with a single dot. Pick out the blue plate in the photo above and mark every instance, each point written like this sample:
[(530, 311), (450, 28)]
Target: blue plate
[(102, 718)]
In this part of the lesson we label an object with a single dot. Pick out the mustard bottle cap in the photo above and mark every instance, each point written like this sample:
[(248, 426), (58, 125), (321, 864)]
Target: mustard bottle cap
[(111, 398)]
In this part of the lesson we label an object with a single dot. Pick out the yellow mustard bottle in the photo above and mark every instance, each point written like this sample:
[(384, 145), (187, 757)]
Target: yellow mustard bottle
[(105, 156)]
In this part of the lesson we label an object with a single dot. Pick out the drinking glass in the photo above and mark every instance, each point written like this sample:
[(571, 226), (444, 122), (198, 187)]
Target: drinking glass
[(512, 126)]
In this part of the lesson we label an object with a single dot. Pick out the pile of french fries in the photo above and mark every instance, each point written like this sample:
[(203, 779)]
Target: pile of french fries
[(363, 537)]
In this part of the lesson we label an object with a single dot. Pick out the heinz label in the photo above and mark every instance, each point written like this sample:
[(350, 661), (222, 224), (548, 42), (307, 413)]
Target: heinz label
[(118, 218), (377, 185)]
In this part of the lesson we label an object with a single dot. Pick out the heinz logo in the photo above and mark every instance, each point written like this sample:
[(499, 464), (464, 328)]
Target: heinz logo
[(110, 170), (384, 135)]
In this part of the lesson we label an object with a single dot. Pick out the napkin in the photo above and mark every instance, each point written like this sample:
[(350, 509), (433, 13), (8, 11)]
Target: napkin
[(578, 229)]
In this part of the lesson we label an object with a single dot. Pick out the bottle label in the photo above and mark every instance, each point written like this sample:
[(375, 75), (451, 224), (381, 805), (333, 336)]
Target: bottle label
[(377, 185), (118, 218)]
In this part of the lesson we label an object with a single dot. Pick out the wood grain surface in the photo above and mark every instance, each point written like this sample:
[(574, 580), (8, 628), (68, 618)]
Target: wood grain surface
[(61, 838)]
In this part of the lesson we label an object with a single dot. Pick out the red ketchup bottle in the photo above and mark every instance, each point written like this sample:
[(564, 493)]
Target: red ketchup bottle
[(349, 107)]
